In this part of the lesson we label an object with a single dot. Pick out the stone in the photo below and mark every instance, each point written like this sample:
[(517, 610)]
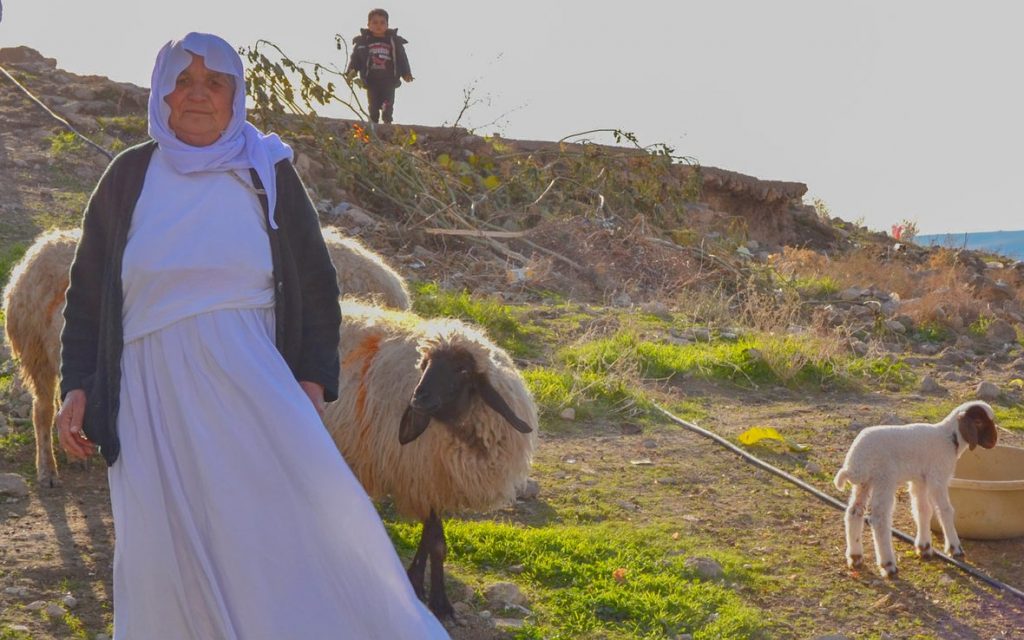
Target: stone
[(706, 568), (850, 294), (702, 334), (12, 484), (516, 569), (930, 385), (509, 623), (859, 347), (54, 610), (657, 309), (36, 605), (1001, 331), (567, 414), (813, 467), (502, 594), (622, 299), (895, 326), (529, 491), (987, 391), (69, 601)]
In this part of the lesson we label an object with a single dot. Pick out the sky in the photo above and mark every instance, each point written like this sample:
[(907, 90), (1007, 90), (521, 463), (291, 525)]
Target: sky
[(888, 111)]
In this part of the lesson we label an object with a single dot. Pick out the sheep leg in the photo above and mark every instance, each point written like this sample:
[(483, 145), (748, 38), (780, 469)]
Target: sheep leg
[(921, 508), (854, 521), (418, 567), (939, 495), (881, 505), (438, 549), (44, 399)]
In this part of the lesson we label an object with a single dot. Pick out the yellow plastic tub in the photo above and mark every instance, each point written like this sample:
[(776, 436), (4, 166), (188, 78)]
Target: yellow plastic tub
[(987, 491)]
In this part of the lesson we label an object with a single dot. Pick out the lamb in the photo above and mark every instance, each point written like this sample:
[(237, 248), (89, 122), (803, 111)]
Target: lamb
[(922, 455), (401, 374), (362, 272), (34, 305)]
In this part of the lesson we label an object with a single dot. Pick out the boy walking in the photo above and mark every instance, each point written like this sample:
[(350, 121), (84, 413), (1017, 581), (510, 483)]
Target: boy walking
[(378, 56)]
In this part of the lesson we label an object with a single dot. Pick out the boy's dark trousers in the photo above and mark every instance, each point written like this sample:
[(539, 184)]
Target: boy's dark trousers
[(381, 96)]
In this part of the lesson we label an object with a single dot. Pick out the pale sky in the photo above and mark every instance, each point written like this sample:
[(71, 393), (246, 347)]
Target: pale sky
[(886, 109)]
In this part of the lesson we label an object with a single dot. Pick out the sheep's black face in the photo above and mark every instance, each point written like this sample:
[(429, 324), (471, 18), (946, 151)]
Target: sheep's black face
[(446, 385), (445, 393)]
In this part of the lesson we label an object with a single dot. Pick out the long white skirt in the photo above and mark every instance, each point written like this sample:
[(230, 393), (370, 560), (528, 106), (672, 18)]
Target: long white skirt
[(235, 516)]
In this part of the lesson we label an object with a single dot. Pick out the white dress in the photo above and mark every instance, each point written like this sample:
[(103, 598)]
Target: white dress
[(235, 516)]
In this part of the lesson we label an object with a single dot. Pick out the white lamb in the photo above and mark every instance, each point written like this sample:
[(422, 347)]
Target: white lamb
[(922, 455), (399, 375), (34, 304)]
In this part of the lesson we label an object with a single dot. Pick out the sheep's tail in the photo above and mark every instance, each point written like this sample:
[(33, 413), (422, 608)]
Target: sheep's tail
[(840, 478)]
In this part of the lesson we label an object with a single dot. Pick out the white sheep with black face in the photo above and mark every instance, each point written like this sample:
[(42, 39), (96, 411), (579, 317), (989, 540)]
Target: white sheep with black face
[(34, 306), (922, 455), (434, 415)]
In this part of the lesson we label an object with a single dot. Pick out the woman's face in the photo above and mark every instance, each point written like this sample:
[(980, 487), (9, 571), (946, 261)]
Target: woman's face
[(201, 104)]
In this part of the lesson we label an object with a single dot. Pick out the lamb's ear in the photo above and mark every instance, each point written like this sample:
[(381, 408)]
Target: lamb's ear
[(413, 425), (968, 430), (496, 402)]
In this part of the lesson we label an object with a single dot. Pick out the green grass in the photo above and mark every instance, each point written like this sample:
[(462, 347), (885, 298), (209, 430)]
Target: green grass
[(9, 258), (608, 581), (931, 332), (817, 287), (1008, 416), (64, 143), (502, 326), (588, 392), (795, 361)]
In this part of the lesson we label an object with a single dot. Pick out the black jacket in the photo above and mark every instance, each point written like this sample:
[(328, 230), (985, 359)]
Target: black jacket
[(306, 309), (360, 60)]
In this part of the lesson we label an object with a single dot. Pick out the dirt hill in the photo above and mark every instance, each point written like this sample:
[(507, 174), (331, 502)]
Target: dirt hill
[(618, 277)]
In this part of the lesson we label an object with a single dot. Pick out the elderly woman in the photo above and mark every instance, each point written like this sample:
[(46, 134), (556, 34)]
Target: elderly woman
[(200, 343)]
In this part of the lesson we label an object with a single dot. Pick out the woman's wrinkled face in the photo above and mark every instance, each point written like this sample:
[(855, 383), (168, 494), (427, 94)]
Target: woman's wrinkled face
[(201, 104)]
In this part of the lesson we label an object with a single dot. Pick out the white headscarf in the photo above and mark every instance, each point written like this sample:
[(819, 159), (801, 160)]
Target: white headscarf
[(241, 146)]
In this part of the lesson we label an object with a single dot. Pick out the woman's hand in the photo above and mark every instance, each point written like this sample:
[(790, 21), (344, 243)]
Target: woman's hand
[(69, 426), (315, 392)]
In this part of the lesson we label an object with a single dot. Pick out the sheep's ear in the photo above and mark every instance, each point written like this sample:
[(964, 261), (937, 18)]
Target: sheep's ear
[(968, 430), (496, 402), (413, 425)]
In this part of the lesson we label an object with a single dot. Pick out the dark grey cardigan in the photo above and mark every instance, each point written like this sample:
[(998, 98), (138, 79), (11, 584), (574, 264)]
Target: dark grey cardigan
[(306, 309)]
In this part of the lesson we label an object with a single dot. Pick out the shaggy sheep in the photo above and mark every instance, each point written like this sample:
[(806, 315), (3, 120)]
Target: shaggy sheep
[(34, 305), (401, 374), (362, 272), (922, 455)]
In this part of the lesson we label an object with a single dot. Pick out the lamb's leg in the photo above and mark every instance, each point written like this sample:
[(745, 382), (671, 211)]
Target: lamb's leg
[(43, 401), (939, 495), (921, 508), (418, 567), (881, 505), (438, 549), (854, 521)]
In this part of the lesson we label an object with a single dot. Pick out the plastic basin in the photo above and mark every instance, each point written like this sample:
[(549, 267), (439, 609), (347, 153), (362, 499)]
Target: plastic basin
[(987, 491)]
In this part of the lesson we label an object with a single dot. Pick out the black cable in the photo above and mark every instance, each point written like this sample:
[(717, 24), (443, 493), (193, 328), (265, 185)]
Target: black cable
[(39, 103), (824, 497)]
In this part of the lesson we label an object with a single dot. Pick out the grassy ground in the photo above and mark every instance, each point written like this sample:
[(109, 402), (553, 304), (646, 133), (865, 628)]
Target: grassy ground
[(630, 507)]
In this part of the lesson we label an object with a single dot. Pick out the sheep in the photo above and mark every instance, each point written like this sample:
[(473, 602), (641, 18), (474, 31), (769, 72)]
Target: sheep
[(399, 375), (34, 306), (922, 455), (362, 272)]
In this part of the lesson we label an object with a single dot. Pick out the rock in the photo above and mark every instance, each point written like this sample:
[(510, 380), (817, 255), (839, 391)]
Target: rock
[(530, 491), (567, 414), (69, 601), (509, 623), (656, 308), (858, 347), (516, 569), (17, 592), (12, 484), (930, 385), (731, 336), (702, 334), (851, 294), (895, 326), (355, 215), (994, 265), (36, 605), (622, 299), (813, 468), (502, 594), (706, 568), (54, 610), (649, 444), (987, 391), (626, 505), (1001, 331), (929, 348), (874, 305)]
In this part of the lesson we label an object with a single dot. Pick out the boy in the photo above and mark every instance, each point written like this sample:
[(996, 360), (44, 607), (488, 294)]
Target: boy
[(378, 56)]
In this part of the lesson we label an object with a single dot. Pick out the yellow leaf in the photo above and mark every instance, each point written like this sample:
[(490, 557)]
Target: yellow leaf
[(1017, 383), (444, 160), (754, 435), (491, 182)]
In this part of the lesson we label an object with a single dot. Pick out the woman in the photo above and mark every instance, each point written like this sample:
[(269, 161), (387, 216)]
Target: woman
[(200, 343)]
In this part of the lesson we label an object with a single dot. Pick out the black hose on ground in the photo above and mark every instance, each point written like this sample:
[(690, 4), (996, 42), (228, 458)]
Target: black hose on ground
[(65, 123), (824, 497)]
